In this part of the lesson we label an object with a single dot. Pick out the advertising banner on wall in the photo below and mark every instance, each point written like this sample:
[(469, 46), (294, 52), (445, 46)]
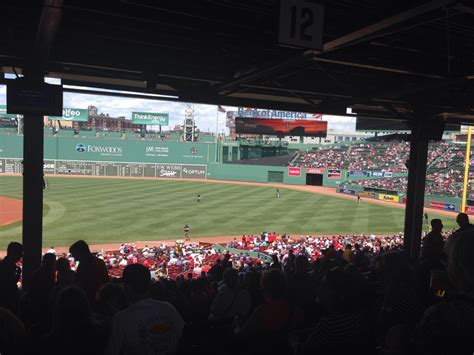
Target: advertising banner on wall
[(314, 170), (294, 171), (470, 209), (259, 113), (347, 191), (443, 206), (388, 198), (358, 173), (168, 171), (334, 174), (380, 174), (193, 171), (150, 118), (367, 194), (72, 114)]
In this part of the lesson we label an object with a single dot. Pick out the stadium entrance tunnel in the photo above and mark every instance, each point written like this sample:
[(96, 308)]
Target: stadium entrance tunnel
[(314, 179)]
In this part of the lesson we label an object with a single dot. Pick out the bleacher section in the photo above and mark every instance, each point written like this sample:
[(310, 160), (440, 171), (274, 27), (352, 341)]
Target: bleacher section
[(444, 172)]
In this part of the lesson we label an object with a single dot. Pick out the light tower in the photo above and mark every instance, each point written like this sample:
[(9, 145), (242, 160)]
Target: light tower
[(189, 127)]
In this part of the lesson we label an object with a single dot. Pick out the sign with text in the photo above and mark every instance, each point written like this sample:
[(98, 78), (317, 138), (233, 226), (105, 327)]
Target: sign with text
[(194, 171), (72, 114), (262, 113), (443, 206), (314, 170), (358, 173), (301, 24), (388, 198), (25, 96), (347, 191), (150, 118), (334, 174), (168, 171), (294, 171)]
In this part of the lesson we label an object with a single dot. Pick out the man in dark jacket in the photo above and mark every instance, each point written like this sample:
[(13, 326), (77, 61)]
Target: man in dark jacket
[(9, 277)]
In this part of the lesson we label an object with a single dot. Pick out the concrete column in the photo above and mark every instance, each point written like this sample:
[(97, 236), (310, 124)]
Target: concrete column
[(32, 237), (423, 130)]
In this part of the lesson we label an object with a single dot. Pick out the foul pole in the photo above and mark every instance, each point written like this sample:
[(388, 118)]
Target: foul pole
[(466, 169)]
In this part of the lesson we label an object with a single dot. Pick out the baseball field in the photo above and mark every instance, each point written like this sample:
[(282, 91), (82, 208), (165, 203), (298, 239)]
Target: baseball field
[(122, 210)]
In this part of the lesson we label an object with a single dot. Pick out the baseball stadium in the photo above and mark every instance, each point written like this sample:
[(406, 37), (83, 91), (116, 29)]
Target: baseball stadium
[(232, 177), (156, 180)]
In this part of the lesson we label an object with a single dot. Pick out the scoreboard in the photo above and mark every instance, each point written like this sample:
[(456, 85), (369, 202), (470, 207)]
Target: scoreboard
[(101, 168)]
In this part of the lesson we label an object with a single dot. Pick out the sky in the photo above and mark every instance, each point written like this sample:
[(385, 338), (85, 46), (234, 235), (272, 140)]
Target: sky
[(205, 115)]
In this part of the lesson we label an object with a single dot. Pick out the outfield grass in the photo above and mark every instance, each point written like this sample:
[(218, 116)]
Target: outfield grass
[(108, 210)]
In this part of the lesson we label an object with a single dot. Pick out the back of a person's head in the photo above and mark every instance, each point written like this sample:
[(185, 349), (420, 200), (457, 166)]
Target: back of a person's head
[(137, 278), (301, 264), (252, 279), (337, 290), (273, 284), (111, 294), (231, 278), (15, 251), (49, 261), (463, 220), (348, 246), (436, 225), (70, 310), (79, 249), (461, 262)]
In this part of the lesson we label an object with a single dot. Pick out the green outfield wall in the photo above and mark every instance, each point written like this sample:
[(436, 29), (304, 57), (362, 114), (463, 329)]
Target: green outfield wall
[(150, 158), (116, 150), (112, 157), (254, 173)]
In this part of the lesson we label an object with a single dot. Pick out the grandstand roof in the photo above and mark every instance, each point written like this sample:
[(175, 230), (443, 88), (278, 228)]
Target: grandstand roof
[(382, 58)]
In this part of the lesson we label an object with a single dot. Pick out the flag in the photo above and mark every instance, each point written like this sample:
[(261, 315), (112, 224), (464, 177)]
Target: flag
[(220, 108)]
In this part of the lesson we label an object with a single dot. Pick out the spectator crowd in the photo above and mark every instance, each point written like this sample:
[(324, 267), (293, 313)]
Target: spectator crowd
[(316, 294), (445, 169)]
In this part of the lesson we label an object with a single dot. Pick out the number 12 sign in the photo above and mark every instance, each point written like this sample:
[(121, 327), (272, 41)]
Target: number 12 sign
[(301, 24)]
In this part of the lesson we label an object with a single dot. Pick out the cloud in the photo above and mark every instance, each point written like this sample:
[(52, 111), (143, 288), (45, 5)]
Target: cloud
[(205, 115)]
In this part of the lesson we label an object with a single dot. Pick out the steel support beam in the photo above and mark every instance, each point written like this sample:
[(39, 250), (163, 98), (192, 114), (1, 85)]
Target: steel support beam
[(337, 43), (33, 144), (33, 141), (383, 24), (422, 131)]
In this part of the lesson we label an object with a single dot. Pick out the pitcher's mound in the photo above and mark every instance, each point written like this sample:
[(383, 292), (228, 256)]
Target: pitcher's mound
[(11, 210)]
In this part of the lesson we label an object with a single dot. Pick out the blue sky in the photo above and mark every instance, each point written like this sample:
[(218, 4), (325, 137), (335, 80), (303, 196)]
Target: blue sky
[(205, 115)]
